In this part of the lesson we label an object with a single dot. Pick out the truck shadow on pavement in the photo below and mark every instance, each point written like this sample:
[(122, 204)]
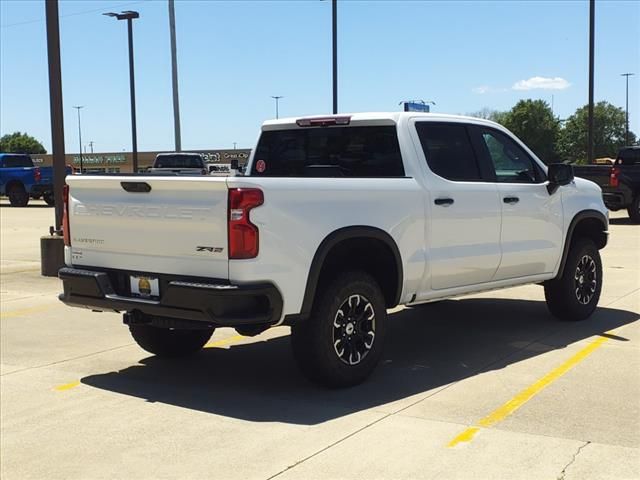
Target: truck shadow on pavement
[(428, 348)]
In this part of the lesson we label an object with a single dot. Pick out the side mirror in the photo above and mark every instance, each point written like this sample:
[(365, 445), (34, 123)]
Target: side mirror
[(559, 174)]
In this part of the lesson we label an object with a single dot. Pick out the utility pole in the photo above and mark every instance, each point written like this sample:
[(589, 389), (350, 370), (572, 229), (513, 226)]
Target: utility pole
[(334, 23), (80, 135), (174, 76), (592, 13), (626, 109), (91, 145), (234, 145), (277, 99)]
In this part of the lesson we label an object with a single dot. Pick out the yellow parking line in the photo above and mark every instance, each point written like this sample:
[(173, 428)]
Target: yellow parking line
[(224, 341), (66, 386), (527, 394), (25, 311)]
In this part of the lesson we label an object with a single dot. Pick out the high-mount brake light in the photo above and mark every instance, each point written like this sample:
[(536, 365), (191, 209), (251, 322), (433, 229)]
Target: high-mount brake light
[(614, 177), (323, 121), (66, 233), (244, 239)]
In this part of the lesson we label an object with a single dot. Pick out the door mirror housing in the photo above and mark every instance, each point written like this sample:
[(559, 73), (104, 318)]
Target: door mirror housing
[(559, 174)]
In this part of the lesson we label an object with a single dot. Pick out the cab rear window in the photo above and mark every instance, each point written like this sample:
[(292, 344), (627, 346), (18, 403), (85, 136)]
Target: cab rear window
[(178, 161), (329, 152)]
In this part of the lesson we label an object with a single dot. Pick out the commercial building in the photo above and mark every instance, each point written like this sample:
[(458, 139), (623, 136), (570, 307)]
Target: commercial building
[(117, 162)]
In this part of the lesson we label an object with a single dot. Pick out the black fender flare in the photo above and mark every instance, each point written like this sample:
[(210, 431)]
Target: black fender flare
[(333, 239), (582, 215)]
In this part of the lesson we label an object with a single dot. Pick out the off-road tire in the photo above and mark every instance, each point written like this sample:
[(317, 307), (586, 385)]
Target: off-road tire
[(312, 339), (165, 342), (634, 209), (574, 295), (49, 199), (18, 196)]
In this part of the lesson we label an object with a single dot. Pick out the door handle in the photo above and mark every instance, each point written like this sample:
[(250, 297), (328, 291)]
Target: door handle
[(511, 200), (443, 202)]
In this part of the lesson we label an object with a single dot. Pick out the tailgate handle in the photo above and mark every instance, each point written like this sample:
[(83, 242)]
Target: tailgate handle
[(136, 187)]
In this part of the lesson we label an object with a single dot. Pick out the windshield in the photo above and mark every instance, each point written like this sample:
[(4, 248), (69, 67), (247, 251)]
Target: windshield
[(329, 152), (178, 161)]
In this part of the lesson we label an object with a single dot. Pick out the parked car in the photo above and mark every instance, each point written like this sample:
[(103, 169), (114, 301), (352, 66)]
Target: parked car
[(180, 163), (21, 180), (620, 182), (336, 220), (17, 178)]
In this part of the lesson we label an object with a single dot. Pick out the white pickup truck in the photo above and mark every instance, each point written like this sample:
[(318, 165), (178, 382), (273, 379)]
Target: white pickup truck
[(336, 220)]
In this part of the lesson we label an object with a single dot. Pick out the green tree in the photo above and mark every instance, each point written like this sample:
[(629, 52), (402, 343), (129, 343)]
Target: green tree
[(533, 122), (608, 132), (20, 143), (489, 114)]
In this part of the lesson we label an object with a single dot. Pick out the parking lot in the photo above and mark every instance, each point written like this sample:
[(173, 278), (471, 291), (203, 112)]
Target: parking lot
[(486, 386)]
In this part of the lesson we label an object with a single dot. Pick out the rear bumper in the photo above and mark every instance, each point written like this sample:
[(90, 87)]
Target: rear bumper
[(615, 201), (40, 188), (217, 304)]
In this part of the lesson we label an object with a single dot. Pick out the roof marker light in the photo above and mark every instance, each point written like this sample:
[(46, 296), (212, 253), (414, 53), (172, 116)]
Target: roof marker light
[(323, 121)]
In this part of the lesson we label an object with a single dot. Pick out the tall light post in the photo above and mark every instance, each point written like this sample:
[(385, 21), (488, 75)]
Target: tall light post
[(626, 109), (277, 99), (334, 35), (78, 107), (592, 14), (129, 16), (174, 76)]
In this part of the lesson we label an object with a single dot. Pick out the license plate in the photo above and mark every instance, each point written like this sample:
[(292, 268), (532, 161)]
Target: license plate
[(145, 287)]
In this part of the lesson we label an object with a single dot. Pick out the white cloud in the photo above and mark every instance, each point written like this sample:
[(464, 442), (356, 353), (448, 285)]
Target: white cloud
[(481, 90), (541, 83)]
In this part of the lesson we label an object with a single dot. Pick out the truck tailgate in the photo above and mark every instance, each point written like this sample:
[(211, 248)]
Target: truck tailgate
[(179, 226)]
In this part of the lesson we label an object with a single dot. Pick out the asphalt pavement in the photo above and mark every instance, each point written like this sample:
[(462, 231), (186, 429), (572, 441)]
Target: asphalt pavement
[(488, 386)]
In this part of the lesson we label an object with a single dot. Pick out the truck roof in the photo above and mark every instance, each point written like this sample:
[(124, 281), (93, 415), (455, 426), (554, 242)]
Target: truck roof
[(394, 117)]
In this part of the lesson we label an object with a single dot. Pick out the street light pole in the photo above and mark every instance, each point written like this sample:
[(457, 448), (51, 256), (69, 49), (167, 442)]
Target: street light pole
[(174, 76), (626, 110), (129, 16), (277, 99), (80, 135), (334, 23), (592, 12)]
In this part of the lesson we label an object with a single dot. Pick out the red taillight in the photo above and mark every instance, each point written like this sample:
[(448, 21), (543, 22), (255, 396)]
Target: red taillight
[(243, 235), (614, 177), (65, 216), (37, 174)]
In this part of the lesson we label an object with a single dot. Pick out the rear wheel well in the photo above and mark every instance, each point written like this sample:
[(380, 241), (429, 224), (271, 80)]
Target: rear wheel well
[(370, 255), (14, 183)]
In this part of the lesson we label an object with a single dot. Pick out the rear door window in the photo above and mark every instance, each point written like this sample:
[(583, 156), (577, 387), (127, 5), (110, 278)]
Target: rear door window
[(329, 152), (448, 151), (629, 156), (17, 161)]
